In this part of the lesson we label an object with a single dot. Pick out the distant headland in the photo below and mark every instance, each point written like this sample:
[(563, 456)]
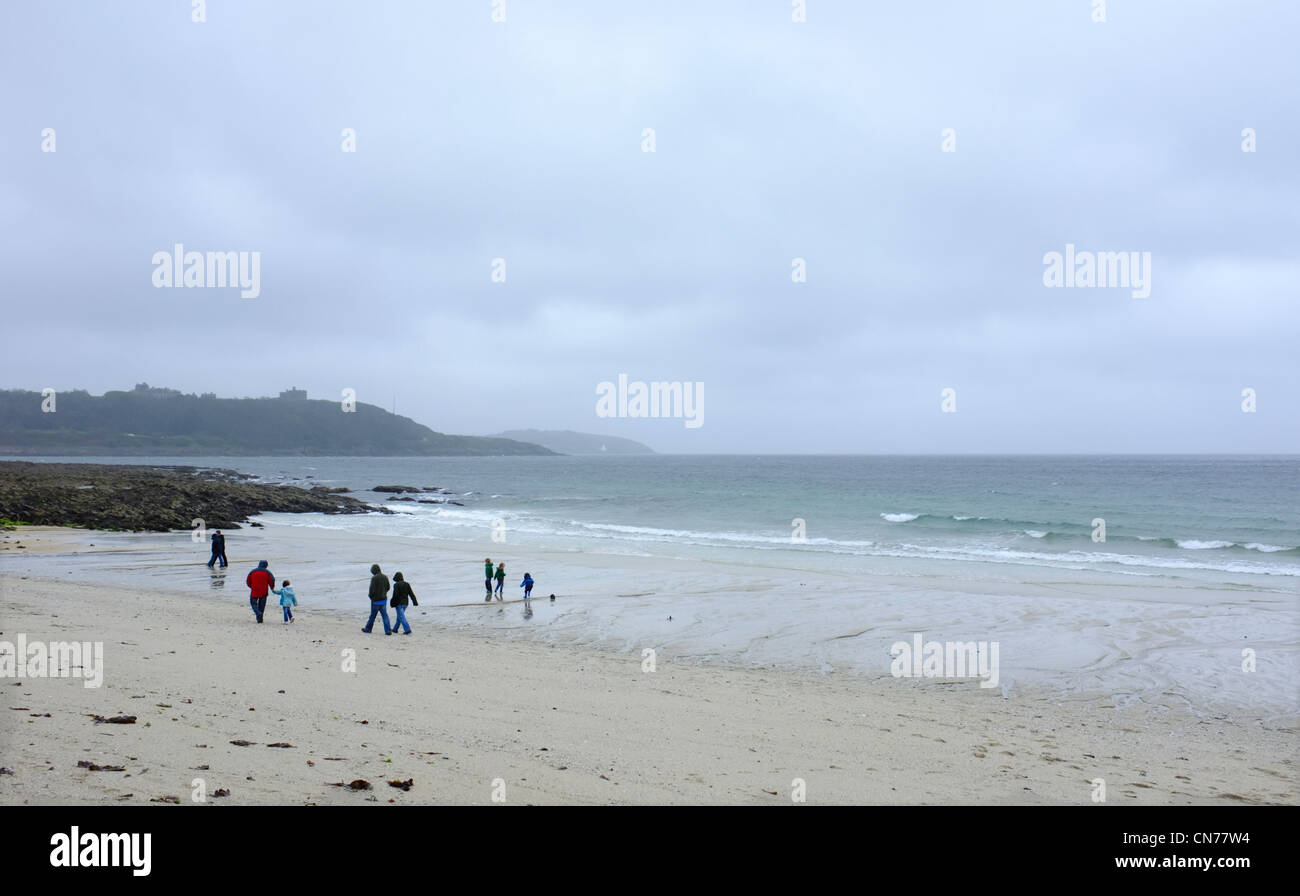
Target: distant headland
[(152, 421)]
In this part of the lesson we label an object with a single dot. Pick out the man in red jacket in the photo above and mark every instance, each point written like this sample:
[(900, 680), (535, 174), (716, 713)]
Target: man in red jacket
[(259, 582)]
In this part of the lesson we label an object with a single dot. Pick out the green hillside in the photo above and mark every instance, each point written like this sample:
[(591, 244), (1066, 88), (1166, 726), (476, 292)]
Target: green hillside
[(164, 422)]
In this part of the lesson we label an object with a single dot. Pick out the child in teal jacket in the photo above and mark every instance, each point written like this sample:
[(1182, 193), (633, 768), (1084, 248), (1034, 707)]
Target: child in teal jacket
[(287, 600)]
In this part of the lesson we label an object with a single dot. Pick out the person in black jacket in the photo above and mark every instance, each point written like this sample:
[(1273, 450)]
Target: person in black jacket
[(218, 549), (401, 592), (378, 600)]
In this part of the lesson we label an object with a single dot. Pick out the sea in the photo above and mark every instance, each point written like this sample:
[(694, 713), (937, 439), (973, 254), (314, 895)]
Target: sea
[(1228, 520), (1164, 566)]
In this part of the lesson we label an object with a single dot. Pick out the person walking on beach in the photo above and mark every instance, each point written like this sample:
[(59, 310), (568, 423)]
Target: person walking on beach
[(378, 600), (487, 578), (401, 593), (218, 549), (501, 581), (259, 582), (527, 585), (287, 600)]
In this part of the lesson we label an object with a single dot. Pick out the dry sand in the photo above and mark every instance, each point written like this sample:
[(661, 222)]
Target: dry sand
[(468, 716)]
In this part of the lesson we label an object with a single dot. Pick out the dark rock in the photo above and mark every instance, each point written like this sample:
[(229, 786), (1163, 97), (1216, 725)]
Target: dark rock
[(152, 499)]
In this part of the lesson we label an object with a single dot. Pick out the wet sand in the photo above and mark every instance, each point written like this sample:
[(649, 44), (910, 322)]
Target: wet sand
[(471, 714)]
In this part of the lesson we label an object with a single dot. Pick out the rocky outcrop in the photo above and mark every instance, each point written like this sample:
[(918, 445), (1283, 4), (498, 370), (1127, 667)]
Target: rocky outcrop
[(152, 499)]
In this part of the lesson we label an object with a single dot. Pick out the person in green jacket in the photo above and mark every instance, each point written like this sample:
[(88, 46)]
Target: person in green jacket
[(378, 599), (487, 578), (401, 593), (501, 581)]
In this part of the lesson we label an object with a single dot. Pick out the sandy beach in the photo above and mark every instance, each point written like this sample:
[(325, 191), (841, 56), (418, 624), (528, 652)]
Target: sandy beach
[(473, 715)]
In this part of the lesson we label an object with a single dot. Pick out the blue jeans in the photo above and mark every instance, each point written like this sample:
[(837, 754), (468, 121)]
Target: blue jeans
[(378, 608), (288, 613), (401, 619), (258, 604)]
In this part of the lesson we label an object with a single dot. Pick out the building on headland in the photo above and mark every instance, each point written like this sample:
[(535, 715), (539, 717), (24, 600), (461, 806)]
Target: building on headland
[(294, 393), (154, 391)]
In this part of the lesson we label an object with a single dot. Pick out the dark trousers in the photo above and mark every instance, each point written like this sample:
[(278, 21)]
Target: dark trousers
[(218, 555), (258, 604)]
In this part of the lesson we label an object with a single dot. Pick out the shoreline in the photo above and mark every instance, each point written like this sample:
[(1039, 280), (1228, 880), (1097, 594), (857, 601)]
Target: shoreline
[(459, 707), (1085, 638)]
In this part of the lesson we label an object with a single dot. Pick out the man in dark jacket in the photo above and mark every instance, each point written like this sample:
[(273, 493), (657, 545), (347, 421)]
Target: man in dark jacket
[(259, 582), (378, 600), (218, 549)]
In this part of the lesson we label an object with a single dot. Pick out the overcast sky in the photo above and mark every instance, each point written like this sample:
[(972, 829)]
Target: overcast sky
[(774, 140)]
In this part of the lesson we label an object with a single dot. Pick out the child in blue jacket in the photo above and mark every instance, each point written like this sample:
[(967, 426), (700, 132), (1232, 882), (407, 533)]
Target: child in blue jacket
[(287, 600), (527, 585)]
